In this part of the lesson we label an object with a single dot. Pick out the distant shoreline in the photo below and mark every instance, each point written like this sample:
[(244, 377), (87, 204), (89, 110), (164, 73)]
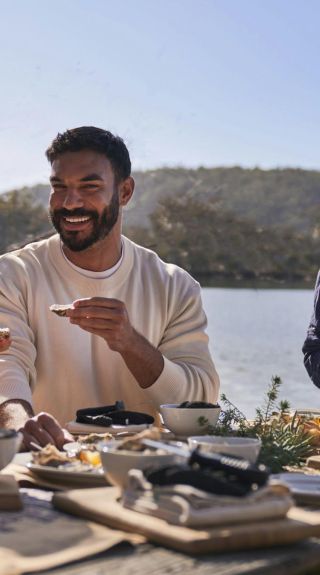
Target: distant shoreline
[(207, 281)]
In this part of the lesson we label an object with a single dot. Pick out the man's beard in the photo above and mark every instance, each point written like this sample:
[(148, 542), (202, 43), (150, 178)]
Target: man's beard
[(101, 225)]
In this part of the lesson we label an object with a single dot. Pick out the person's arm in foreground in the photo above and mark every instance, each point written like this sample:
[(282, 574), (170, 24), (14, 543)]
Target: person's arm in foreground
[(311, 346), (17, 372)]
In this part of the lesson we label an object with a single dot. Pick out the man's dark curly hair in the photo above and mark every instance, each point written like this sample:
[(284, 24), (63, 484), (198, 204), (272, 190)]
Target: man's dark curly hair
[(98, 140)]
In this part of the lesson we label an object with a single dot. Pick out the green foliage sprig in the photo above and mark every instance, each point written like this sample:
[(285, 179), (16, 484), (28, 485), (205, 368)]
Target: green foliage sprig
[(283, 443)]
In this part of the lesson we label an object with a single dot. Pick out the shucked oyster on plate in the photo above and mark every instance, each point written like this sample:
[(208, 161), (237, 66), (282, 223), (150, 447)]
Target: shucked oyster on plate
[(135, 443), (60, 309), (94, 438), (50, 455), (82, 460)]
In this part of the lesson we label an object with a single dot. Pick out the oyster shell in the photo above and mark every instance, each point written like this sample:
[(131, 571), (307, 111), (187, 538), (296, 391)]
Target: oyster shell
[(94, 438), (4, 333), (50, 455), (60, 309)]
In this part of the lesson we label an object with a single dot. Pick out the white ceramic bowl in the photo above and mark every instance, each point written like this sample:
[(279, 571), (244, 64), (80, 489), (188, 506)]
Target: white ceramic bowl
[(117, 462), (184, 421), (10, 442), (246, 447)]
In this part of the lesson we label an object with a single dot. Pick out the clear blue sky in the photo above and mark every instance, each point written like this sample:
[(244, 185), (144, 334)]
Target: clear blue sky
[(185, 82)]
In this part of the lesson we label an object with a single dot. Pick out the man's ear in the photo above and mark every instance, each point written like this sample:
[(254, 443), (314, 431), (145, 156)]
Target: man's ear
[(126, 189)]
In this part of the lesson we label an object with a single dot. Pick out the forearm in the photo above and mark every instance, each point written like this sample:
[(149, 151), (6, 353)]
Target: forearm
[(143, 360), (14, 413), (181, 368), (180, 381)]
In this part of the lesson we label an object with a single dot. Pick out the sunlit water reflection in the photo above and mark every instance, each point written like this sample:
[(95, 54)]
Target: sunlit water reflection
[(255, 334)]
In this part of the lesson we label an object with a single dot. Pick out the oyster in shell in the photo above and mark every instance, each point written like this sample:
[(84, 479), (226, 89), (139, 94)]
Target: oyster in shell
[(4, 333), (50, 455), (60, 309)]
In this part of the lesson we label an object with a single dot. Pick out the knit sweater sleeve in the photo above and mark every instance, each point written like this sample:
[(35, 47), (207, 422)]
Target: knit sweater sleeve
[(189, 372), (17, 371)]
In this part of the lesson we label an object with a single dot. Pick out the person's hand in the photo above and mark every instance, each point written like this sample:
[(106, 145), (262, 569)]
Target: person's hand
[(5, 344), (107, 318), (43, 429)]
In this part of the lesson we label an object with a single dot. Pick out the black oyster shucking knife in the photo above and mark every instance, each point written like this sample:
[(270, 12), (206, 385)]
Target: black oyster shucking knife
[(238, 467)]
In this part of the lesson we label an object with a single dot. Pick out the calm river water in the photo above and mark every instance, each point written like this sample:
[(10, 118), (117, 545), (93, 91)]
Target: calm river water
[(255, 334)]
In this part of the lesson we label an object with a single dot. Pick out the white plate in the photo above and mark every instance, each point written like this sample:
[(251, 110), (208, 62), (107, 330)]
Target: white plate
[(304, 488), (79, 428), (89, 478)]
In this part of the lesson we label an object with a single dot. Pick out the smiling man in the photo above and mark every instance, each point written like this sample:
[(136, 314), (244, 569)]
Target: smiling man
[(136, 328)]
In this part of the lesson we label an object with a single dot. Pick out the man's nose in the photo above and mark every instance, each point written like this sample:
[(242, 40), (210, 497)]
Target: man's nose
[(73, 199)]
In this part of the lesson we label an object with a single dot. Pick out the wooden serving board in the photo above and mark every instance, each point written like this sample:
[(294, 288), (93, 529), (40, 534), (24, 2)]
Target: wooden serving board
[(101, 505)]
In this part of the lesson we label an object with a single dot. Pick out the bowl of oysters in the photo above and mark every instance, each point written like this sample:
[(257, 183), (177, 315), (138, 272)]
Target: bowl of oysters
[(190, 417)]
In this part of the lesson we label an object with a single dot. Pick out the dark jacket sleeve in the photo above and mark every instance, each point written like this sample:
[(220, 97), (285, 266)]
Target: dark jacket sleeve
[(311, 346)]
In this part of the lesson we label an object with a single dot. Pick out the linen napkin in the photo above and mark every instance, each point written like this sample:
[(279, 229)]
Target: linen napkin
[(39, 537), (187, 506), (112, 415)]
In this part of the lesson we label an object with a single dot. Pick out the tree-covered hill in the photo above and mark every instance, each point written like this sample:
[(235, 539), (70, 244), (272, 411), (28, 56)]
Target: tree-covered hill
[(213, 243), (21, 219), (270, 198)]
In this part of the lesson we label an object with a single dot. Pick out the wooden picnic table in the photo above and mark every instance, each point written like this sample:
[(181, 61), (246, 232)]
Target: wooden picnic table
[(151, 559)]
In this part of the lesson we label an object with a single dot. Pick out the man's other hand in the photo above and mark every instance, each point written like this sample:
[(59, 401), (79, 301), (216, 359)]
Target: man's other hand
[(42, 429)]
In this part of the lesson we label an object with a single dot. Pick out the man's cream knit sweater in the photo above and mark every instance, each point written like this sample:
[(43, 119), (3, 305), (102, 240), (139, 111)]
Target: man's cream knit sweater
[(58, 367)]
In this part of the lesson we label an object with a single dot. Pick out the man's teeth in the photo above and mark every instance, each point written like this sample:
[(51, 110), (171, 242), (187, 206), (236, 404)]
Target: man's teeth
[(77, 220)]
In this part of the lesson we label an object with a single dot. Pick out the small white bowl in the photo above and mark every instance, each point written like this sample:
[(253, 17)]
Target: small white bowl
[(10, 442), (186, 421), (117, 462), (246, 447)]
